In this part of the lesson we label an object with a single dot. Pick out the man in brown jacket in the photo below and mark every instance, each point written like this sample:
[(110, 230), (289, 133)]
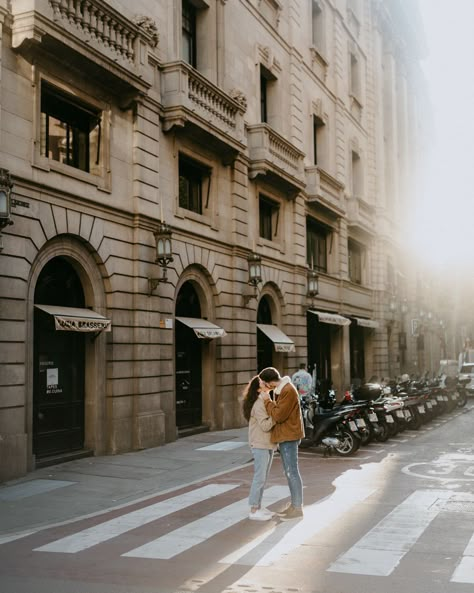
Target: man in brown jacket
[(287, 433)]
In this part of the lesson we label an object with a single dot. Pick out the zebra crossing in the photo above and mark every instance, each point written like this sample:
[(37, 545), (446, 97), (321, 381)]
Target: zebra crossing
[(377, 553)]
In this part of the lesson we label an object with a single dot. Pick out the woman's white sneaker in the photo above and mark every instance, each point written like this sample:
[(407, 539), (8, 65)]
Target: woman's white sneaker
[(260, 515)]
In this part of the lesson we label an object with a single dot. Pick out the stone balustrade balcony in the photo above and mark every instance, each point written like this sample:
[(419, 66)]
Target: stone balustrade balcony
[(90, 29), (189, 99), (360, 214), (325, 191), (273, 156)]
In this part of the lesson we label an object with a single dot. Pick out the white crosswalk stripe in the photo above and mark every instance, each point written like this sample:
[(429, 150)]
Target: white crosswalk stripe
[(194, 533), (285, 538), (110, 529), (464, 572), (380, 551)]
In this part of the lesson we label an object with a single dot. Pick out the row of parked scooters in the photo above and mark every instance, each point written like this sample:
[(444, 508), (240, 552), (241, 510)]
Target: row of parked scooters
[(376, 411)]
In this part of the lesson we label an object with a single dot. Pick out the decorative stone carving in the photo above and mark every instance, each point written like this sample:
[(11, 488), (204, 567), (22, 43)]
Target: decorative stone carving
[(266, 57), (149, 27), (239, 98)]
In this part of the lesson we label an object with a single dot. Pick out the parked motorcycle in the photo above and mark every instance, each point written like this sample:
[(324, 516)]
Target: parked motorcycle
[(334, 429)]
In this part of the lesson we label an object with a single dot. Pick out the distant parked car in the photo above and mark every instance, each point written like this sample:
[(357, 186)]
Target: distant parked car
[(466, 374), (448, 372)]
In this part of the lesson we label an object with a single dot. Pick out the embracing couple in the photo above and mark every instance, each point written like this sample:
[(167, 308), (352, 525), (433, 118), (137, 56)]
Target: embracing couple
[(274, 423)]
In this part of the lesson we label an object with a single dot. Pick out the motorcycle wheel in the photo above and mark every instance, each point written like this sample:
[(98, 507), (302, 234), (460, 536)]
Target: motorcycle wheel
[(451, 404), (415, 421), (384, 433), (307, 440), (462, 399), (393, 428), (349, 443), (365, 435)]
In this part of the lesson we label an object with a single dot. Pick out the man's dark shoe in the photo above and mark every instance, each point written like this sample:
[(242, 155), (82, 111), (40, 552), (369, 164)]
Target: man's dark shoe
[(284, 510), (291, 513)]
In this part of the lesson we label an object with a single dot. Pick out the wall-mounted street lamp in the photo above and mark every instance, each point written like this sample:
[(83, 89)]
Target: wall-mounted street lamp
[(255, 277), (6, 185), (164, 254), (392, 307), (313, 284), (312, 281), (404, 306)]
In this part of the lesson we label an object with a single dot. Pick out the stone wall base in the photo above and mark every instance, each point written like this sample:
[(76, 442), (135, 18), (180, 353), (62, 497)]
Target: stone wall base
[(13, 456)]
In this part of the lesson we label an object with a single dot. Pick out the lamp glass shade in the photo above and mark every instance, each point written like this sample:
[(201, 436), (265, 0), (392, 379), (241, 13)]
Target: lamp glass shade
[(255, 272), (313, 285), (255, 269), (163, 247), (4, 204)]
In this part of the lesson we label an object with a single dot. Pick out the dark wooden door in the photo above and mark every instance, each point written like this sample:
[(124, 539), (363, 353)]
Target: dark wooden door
[(58, 408), (188, 377)]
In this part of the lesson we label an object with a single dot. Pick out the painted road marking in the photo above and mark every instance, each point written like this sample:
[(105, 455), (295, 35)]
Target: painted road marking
[(449, 467), (198, 531), (464, 572), (286, 537), (223, 446), (110, 529), (380, 551)]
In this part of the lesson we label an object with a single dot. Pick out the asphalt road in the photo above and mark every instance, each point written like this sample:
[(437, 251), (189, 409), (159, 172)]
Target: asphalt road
[(397, 517)]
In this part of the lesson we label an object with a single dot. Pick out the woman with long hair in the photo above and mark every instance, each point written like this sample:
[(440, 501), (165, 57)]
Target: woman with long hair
[(260, 425)]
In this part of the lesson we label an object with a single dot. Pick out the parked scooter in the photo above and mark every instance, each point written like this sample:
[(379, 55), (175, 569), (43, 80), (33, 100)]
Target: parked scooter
[(334, 429)]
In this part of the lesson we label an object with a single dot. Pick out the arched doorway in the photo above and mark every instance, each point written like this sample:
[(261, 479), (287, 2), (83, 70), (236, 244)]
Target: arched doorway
[(265, 346), (188, 361), (59, 363)]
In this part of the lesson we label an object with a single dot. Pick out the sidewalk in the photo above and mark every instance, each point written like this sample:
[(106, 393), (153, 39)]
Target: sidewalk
[(88, 486)]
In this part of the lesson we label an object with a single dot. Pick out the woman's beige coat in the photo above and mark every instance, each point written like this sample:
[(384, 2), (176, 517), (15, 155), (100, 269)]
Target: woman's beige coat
[(260, 425)]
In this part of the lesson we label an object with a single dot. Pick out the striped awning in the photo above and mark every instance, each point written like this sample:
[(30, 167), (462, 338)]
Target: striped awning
[(332, 318), (203, 328), (74, 319), (280, 340), (370, 323)]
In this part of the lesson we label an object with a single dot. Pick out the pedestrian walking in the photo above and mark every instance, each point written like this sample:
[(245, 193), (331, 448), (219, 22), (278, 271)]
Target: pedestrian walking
[(260, 425), (287, 432), (302, 380)]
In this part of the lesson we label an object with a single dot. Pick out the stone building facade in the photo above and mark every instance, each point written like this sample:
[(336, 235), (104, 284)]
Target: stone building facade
[(272, 137)]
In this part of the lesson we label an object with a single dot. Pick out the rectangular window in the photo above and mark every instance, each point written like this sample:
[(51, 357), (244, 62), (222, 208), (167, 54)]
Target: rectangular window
[(194, 185), (188, 33), (316, 246), (356, 174), (318, 129), (354, 76), (70, 131), (355, 262), (268, 218), (317, 25), (263, 98)]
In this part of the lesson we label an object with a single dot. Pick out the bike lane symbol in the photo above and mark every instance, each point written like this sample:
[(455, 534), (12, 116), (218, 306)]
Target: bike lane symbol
[(450, 467)]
